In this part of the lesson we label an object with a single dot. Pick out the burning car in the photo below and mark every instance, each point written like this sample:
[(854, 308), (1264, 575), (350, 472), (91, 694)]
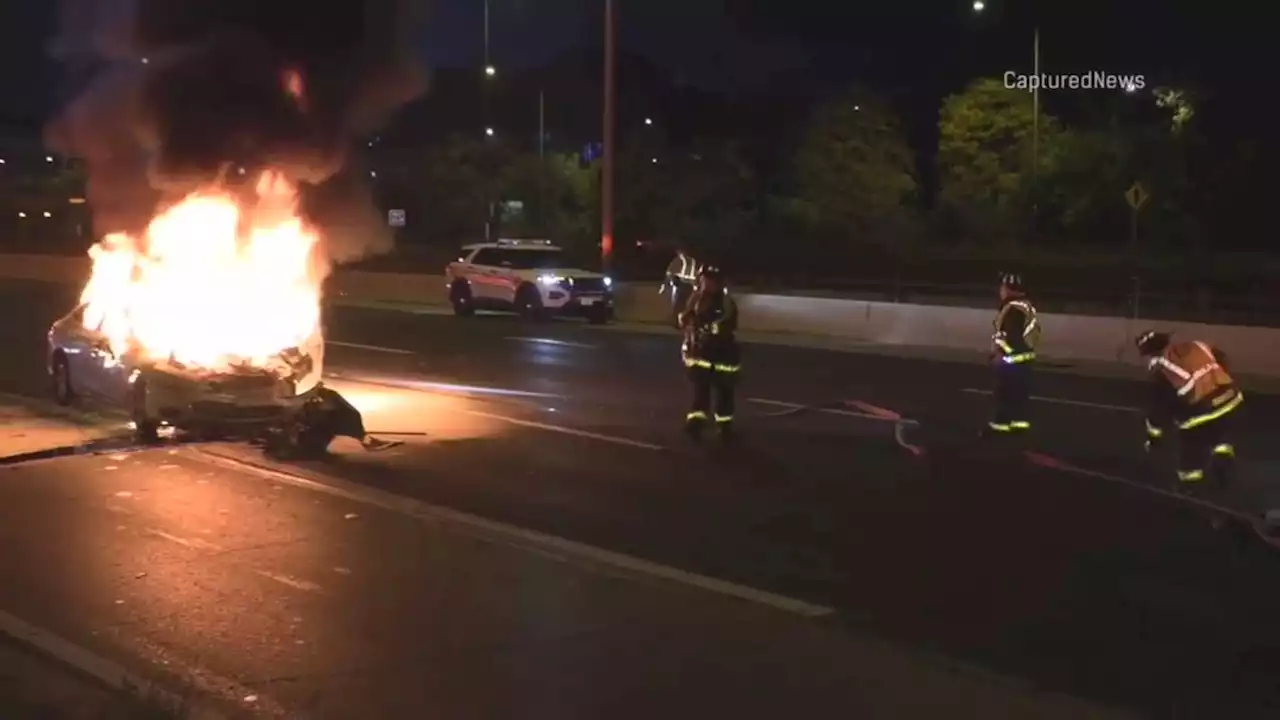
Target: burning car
[(209, 323)]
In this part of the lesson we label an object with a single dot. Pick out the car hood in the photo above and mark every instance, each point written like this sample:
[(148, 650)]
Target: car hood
[(567, 273)]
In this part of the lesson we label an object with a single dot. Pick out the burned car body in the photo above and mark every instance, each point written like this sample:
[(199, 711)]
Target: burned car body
[(283, 402)]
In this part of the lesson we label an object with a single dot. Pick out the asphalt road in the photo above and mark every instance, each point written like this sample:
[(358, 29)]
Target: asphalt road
[(1071, 583)]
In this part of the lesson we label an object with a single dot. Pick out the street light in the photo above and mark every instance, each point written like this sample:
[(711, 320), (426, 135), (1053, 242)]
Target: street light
[(648, 121), (488, 131), (490, 70), (978, 7)]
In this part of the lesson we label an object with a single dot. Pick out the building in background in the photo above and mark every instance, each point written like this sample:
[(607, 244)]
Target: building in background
[(42, 196)]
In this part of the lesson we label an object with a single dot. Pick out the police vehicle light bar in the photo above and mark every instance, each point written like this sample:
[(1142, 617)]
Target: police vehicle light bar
[(519, 241)]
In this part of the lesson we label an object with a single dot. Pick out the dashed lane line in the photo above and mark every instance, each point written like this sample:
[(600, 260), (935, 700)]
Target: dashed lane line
[(517, 537), (1064, 401)]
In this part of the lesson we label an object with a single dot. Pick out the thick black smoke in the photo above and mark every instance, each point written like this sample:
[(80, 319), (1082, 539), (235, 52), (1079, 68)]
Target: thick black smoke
[(179, 93)]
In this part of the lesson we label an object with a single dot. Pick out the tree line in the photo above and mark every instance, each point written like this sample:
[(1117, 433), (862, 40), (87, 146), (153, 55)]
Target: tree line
[(1004, 179)]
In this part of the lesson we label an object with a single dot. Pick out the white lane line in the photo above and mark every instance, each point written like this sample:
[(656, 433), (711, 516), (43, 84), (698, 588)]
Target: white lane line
[(193, 543), (1064, 401), (198, 544), (429, 386), (290, 581), (517, 537), (374, 348), (628, 442), (553, 342), (100, 668), (829, 411)]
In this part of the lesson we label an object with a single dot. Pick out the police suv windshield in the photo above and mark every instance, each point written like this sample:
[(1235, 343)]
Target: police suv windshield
[(521, 259)]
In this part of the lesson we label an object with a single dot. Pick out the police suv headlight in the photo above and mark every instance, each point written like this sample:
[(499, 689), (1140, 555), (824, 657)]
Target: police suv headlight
[(550, 279)]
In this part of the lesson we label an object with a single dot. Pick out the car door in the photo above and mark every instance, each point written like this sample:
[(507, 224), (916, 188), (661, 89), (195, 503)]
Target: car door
[(79, 346), (505, 278), (482, 273)]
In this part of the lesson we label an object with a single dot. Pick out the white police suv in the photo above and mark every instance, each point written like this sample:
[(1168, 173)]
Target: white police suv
[(530, 277)]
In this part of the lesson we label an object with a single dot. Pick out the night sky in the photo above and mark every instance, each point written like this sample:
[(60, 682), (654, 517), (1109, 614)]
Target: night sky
[(918, 48)]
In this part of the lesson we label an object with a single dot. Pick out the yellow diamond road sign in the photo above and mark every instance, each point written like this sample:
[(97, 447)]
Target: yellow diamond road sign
[(1137, 196)]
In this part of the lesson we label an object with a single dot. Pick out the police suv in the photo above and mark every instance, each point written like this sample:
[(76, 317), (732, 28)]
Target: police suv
[(531, 277)]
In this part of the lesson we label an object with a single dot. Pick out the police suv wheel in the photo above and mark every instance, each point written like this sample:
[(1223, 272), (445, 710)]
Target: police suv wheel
[(600, 316), (529, 302), (63, 394), (460, 298)]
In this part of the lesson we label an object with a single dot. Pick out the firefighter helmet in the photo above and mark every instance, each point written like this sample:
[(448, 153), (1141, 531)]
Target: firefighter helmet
[(1152, 342), (1012, 281)]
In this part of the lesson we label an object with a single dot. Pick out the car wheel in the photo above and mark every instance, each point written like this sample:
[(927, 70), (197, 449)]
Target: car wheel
[(313, 442), (529, 302), (63, 393), (599, 316), (461, 299), (146, 430)]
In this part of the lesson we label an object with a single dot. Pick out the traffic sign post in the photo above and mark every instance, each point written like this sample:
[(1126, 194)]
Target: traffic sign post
[(395, 218), (1137, 197)]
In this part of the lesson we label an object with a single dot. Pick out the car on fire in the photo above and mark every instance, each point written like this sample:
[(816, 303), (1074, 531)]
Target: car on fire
[(282, 402), (530, 277)]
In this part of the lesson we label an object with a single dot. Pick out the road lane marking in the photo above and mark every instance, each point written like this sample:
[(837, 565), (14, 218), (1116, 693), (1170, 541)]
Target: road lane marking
[(1259, 524), (523, 539), (105, 671), (553, 342), (430, 386), (628, 442), (797, 407), (1064, 401), (193, 543), (289, 581), (374, 348)]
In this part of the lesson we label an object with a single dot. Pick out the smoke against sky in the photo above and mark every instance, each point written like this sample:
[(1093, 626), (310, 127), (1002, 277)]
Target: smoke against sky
[(182, 91)]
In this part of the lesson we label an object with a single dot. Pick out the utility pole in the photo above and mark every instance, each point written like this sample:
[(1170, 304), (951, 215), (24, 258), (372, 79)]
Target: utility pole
[(606, 165), (542, 162), (1035, 108)]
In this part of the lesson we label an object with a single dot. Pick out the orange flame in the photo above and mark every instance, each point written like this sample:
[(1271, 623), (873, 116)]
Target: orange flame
[(210, 284)]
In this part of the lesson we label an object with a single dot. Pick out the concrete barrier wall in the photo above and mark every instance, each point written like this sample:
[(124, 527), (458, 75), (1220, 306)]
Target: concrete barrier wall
[(1066, 337)]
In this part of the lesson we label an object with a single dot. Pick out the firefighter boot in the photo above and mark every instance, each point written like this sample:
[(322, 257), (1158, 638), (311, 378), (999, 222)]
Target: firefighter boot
[(1222, 468), (694, 425), (725, 428)]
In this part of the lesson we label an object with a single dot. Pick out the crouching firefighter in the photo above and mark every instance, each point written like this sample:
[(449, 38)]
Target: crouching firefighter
[(711, 353), (1017, 333), (1193, 392)]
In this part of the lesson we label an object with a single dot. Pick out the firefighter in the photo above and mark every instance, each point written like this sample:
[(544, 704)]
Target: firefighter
[(711, 353), (1017, 333), (1193, 392), (680, 280)]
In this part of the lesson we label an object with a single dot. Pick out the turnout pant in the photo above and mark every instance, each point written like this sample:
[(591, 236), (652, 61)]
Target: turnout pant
[(1206, 456), (713, 396), (680, 292), (1012, 395)]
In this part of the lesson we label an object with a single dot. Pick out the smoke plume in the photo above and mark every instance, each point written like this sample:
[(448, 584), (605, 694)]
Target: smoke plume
[(179, 93)]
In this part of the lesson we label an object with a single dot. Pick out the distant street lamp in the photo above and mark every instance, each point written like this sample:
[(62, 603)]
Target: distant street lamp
[(488, 131), (490, 70), (648, 121), (979, 6)]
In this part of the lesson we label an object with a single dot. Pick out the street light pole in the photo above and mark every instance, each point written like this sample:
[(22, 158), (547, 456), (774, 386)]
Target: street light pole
[(1035, 108), (606, 165)]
